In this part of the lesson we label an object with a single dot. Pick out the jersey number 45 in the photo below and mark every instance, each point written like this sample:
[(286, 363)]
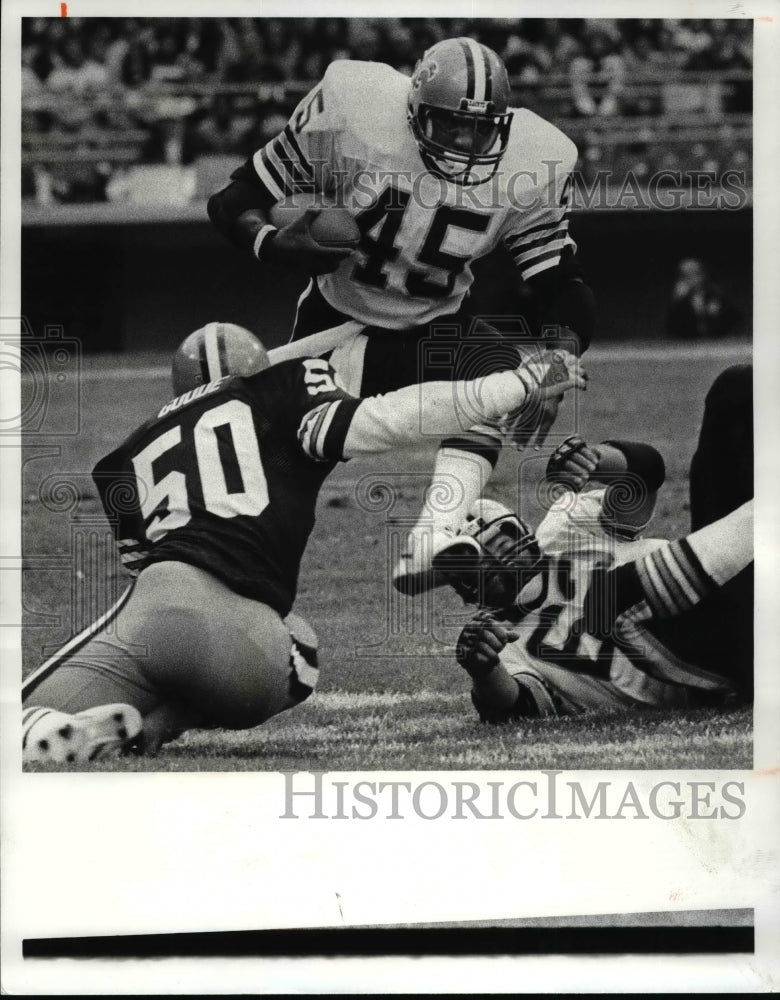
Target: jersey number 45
[(384, 218)]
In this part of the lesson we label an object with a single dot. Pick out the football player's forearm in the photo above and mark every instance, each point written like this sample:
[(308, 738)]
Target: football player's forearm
[(239, 213), (431, 410), (566, 300), (574, 310)]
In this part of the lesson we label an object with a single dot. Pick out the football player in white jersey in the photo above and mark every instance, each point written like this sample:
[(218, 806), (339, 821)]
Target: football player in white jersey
[(574, 616), (438, 171)]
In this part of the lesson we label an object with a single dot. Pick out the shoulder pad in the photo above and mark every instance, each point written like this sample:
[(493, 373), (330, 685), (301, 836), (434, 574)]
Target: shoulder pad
[(533, 139), (348, 86), (350, 74)]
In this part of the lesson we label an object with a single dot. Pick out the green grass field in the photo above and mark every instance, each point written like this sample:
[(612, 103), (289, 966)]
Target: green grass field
[(391, 696)]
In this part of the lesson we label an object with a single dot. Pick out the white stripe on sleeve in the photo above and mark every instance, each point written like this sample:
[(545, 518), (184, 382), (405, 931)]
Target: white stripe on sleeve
[(318, 444), (211, 343), (266, 178)]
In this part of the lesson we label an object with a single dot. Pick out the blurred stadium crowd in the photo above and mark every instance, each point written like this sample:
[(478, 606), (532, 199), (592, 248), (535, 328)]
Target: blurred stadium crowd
[(101, 96)]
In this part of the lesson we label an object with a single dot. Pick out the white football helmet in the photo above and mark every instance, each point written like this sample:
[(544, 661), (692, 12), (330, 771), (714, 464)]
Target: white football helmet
[(458, 110), (510, 556), (216, 350)]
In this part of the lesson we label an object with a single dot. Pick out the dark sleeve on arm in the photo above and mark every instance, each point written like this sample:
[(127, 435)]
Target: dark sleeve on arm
[(642, 460), (245, 192), (118, 489), (323, 430), (319, 408), (565, 299)]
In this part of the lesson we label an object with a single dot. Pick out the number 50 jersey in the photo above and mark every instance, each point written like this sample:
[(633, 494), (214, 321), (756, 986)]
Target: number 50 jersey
[(226, 478), (349, 139)]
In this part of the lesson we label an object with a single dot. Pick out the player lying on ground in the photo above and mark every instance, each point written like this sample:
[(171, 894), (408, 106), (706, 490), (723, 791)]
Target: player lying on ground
[(212, 502), (570, 615), (437, 171)]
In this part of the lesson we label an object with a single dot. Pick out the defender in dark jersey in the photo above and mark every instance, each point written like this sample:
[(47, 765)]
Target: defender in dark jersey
[(226, 478), (212, 502)]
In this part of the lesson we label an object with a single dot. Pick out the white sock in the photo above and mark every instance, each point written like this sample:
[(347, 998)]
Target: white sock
[(459, 479), (726, 546)]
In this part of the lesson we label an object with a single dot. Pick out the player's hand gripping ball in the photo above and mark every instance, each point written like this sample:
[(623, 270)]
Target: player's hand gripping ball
[(316, 241)]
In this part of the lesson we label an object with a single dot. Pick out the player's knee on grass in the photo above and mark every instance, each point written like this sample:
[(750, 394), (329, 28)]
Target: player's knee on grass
[(237, 673), (226, 660), (171, 720), (214, 668)]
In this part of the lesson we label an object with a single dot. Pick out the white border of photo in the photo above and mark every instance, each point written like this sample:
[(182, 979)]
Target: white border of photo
[(167, 853)]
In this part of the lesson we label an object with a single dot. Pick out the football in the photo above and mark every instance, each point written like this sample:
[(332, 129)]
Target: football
[(335, 227)]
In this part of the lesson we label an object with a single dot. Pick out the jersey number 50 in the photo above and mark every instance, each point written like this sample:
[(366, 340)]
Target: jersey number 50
[(225, 448)]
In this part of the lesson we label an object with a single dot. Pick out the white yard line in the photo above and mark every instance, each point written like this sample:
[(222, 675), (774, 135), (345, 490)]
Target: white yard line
[(618, 353)]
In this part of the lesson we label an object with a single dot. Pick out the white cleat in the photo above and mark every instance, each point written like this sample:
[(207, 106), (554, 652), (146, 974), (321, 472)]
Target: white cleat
[(94, 734), (428, 554)]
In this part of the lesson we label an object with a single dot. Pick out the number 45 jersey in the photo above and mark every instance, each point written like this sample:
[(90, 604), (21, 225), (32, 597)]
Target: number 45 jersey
[(350, 140), (226, 478)]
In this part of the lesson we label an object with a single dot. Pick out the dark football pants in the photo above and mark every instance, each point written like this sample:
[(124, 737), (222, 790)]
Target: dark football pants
[(185, 650), (449, 347), (719, 632), (722, 467)]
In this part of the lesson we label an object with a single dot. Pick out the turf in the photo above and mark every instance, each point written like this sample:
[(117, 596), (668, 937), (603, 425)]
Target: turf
[(390, 695)]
